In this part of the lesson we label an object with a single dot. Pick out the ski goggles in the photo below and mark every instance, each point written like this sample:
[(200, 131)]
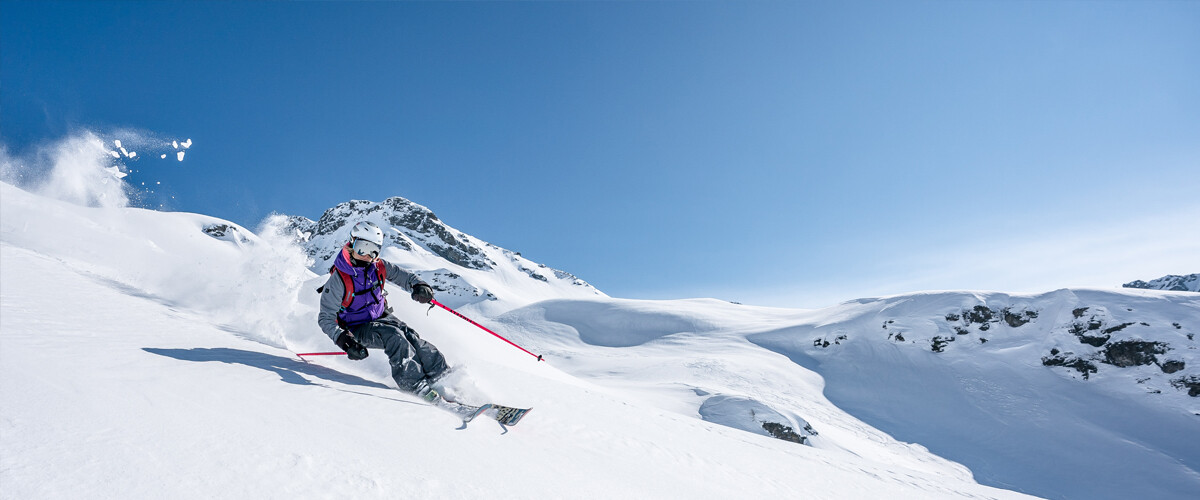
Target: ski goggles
[(365, 248)]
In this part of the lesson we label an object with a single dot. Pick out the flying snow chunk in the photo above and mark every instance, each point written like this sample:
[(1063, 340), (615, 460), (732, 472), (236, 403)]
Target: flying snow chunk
[(164, 156), (116, 172), (179, 155), (114, 154), (126, 153), (187, 144), (175, 143), (132, 154), (117, 142)]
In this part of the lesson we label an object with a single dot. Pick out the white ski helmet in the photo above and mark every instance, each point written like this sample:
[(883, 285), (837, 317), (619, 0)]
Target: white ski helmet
[(367, 231)]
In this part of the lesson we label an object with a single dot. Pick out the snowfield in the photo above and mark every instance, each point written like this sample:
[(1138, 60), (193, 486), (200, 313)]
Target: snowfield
[(148, 354)]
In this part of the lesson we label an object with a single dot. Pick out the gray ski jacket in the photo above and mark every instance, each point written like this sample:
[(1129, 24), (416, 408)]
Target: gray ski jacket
[(334, 291)]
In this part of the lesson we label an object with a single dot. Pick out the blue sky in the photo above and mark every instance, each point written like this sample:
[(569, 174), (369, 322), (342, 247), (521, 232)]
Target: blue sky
[(776, 153)]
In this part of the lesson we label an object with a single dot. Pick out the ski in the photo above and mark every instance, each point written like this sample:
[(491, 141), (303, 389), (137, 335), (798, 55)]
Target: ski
[(464, 411), (506, 415)]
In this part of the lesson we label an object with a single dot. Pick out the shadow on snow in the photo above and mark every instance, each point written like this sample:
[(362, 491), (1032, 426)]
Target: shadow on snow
[(289, 370)]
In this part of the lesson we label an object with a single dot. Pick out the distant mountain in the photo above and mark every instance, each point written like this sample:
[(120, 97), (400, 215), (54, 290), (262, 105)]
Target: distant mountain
[(1189, 283), (457, 265), (1074, 393)]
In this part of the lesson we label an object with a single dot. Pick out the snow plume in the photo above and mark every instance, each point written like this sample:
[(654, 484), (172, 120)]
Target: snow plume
[(87, 168), (255, 286), (79, 169), (269, 294)]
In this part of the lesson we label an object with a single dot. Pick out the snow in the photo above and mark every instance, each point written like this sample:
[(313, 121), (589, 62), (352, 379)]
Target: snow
[(148, 354), (149, 383)]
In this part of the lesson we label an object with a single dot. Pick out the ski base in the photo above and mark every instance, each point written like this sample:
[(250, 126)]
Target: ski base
[(508, 415)]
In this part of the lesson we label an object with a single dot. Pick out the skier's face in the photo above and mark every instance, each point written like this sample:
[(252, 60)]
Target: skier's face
[(364, 250)]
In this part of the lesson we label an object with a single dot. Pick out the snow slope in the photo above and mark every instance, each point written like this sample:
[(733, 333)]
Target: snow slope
[(992, 398), (147, 354)]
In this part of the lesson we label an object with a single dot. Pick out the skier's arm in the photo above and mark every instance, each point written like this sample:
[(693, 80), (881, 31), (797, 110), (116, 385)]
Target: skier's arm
[(400, 277), (331, 302)]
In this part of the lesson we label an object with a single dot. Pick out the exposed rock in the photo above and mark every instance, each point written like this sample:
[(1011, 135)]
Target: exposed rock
[(1173, 366), (821, 342), (979, 314), (1083, 332), (1017, 319), (1122, 326), (939, 342), (1069, 360), (1133, 353), (225, 232), (985, 316), (784, 432), (1190, 382)]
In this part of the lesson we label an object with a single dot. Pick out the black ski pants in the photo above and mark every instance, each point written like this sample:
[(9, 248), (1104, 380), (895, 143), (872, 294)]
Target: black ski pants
[(412, 358)]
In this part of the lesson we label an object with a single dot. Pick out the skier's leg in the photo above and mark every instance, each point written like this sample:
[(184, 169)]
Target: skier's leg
[(387, 335), (430, 357)]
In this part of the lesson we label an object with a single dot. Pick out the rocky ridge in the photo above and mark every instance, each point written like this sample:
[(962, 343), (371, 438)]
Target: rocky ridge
[(1171, 282), (1080, 336), (451, 261)]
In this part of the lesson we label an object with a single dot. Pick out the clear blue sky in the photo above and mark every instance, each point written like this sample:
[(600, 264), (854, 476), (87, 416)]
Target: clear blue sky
[(781, 153)]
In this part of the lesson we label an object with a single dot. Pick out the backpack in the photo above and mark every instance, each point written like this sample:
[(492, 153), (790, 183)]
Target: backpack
[(348, 284)]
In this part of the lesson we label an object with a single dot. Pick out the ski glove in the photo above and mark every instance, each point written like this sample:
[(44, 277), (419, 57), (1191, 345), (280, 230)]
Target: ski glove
[(353, 349), (422, 293)]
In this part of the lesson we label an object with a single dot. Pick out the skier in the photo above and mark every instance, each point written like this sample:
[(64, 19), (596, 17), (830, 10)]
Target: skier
[(354, 313)]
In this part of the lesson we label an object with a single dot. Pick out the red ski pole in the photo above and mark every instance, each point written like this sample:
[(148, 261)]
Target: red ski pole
[(452, 311)]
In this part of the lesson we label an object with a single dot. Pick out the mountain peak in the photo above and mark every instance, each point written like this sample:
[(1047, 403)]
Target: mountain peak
[(450, 260), (1171, 282)]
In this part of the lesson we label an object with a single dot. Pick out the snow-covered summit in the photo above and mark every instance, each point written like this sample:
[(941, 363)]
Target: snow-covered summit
[(456, 264), (1189, 283)]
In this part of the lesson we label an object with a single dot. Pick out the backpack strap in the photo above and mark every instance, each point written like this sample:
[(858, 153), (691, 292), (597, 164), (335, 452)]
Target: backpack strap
[(380, 271), (348, 284), (348, 295)]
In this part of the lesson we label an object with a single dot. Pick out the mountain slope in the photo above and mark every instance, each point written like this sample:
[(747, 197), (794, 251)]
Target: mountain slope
[(150, 358), (972, 376)]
